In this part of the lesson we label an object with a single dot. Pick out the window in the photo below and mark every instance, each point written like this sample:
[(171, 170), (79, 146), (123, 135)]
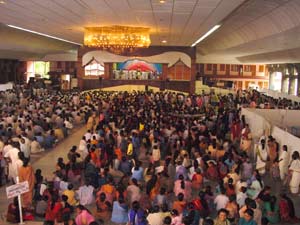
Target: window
[(222, 67), (247, 68), (38, 69), (41, 69), (261, 68), (209, 67), (234, 68), (94, 68)]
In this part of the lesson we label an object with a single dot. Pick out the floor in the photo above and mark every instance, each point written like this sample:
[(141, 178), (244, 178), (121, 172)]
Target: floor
[(46, 161)]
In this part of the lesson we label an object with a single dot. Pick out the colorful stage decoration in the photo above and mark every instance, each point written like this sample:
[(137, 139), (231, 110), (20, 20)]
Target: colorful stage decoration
[(137, 69)]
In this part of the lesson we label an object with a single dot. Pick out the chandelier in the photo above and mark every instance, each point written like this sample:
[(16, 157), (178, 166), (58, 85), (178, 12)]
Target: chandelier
[(117, 39)]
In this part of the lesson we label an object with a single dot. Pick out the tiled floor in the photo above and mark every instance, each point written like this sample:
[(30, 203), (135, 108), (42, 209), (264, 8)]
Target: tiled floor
[(46, 162)]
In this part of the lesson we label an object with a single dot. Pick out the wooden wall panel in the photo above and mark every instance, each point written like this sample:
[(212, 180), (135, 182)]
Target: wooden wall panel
[(9, 71)]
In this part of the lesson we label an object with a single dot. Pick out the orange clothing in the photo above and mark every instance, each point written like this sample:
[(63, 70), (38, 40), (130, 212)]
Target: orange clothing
[(27, 174), (109, 190), (94, 142), (95, 156), (154, 191), (179, 206), (118, 152), (197, 181)]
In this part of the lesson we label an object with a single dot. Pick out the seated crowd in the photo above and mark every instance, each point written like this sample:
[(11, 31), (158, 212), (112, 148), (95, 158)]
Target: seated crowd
[(148, 158)]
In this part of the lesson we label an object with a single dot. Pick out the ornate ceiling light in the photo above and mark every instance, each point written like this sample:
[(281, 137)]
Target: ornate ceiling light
[(117, 38)]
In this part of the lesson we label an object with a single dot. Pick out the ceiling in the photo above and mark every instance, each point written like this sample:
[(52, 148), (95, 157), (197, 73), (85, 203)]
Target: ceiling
[(260, 31), (252, 31)]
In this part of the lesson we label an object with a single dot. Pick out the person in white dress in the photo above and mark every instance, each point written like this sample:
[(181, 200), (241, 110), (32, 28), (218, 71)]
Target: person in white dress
[(14, 163), (283, 162), (261, 157), (85, 194), (82, 149), (295, 170)]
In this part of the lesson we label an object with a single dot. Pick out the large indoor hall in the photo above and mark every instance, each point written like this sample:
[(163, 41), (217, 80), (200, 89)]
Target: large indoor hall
[(149, 112)]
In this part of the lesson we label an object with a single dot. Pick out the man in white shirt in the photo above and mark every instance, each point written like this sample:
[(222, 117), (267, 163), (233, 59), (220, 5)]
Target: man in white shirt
[(85, 194), (221, 200), (241, 197)]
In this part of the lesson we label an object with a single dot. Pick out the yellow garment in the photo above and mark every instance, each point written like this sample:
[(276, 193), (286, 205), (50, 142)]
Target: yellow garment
[(59, 134), (141, 127), (71, 197), (130, 149)]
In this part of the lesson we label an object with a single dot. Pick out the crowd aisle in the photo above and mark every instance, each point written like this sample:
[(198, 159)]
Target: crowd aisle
[(144, 158)]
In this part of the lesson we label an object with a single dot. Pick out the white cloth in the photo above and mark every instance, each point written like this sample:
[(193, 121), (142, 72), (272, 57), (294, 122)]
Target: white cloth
[(295, 181), (221, 201), (240, 199), (283, 164), (13, 165), (85, 194), (155, 218), (82, 149), (261, 158)]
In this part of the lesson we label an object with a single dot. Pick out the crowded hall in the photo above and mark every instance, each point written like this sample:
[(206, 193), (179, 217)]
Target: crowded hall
[(149, 112)]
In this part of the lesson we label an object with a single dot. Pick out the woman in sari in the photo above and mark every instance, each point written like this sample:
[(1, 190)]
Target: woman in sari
[(287, 209), (271, 210), (152, 187), (109, 190), (184, 187), (255, 187), (197, 181), (119, 212), (273, 153), (103, 208), (83, 216), (26, 173), (246, 139)]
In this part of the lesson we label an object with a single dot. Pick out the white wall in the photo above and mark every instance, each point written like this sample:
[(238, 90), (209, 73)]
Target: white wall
[(263, 121), (277, 94)]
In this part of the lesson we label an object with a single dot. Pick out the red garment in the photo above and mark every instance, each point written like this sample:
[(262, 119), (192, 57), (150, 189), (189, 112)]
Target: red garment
[(230, 192), (284, 210), (212, 173), (53, 214), (235, 131)]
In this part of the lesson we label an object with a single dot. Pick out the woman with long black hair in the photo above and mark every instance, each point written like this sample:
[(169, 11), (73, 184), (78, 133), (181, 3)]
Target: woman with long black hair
[(271, 210), (183, 186), (53, 209), (255, 187), (152, 187)]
